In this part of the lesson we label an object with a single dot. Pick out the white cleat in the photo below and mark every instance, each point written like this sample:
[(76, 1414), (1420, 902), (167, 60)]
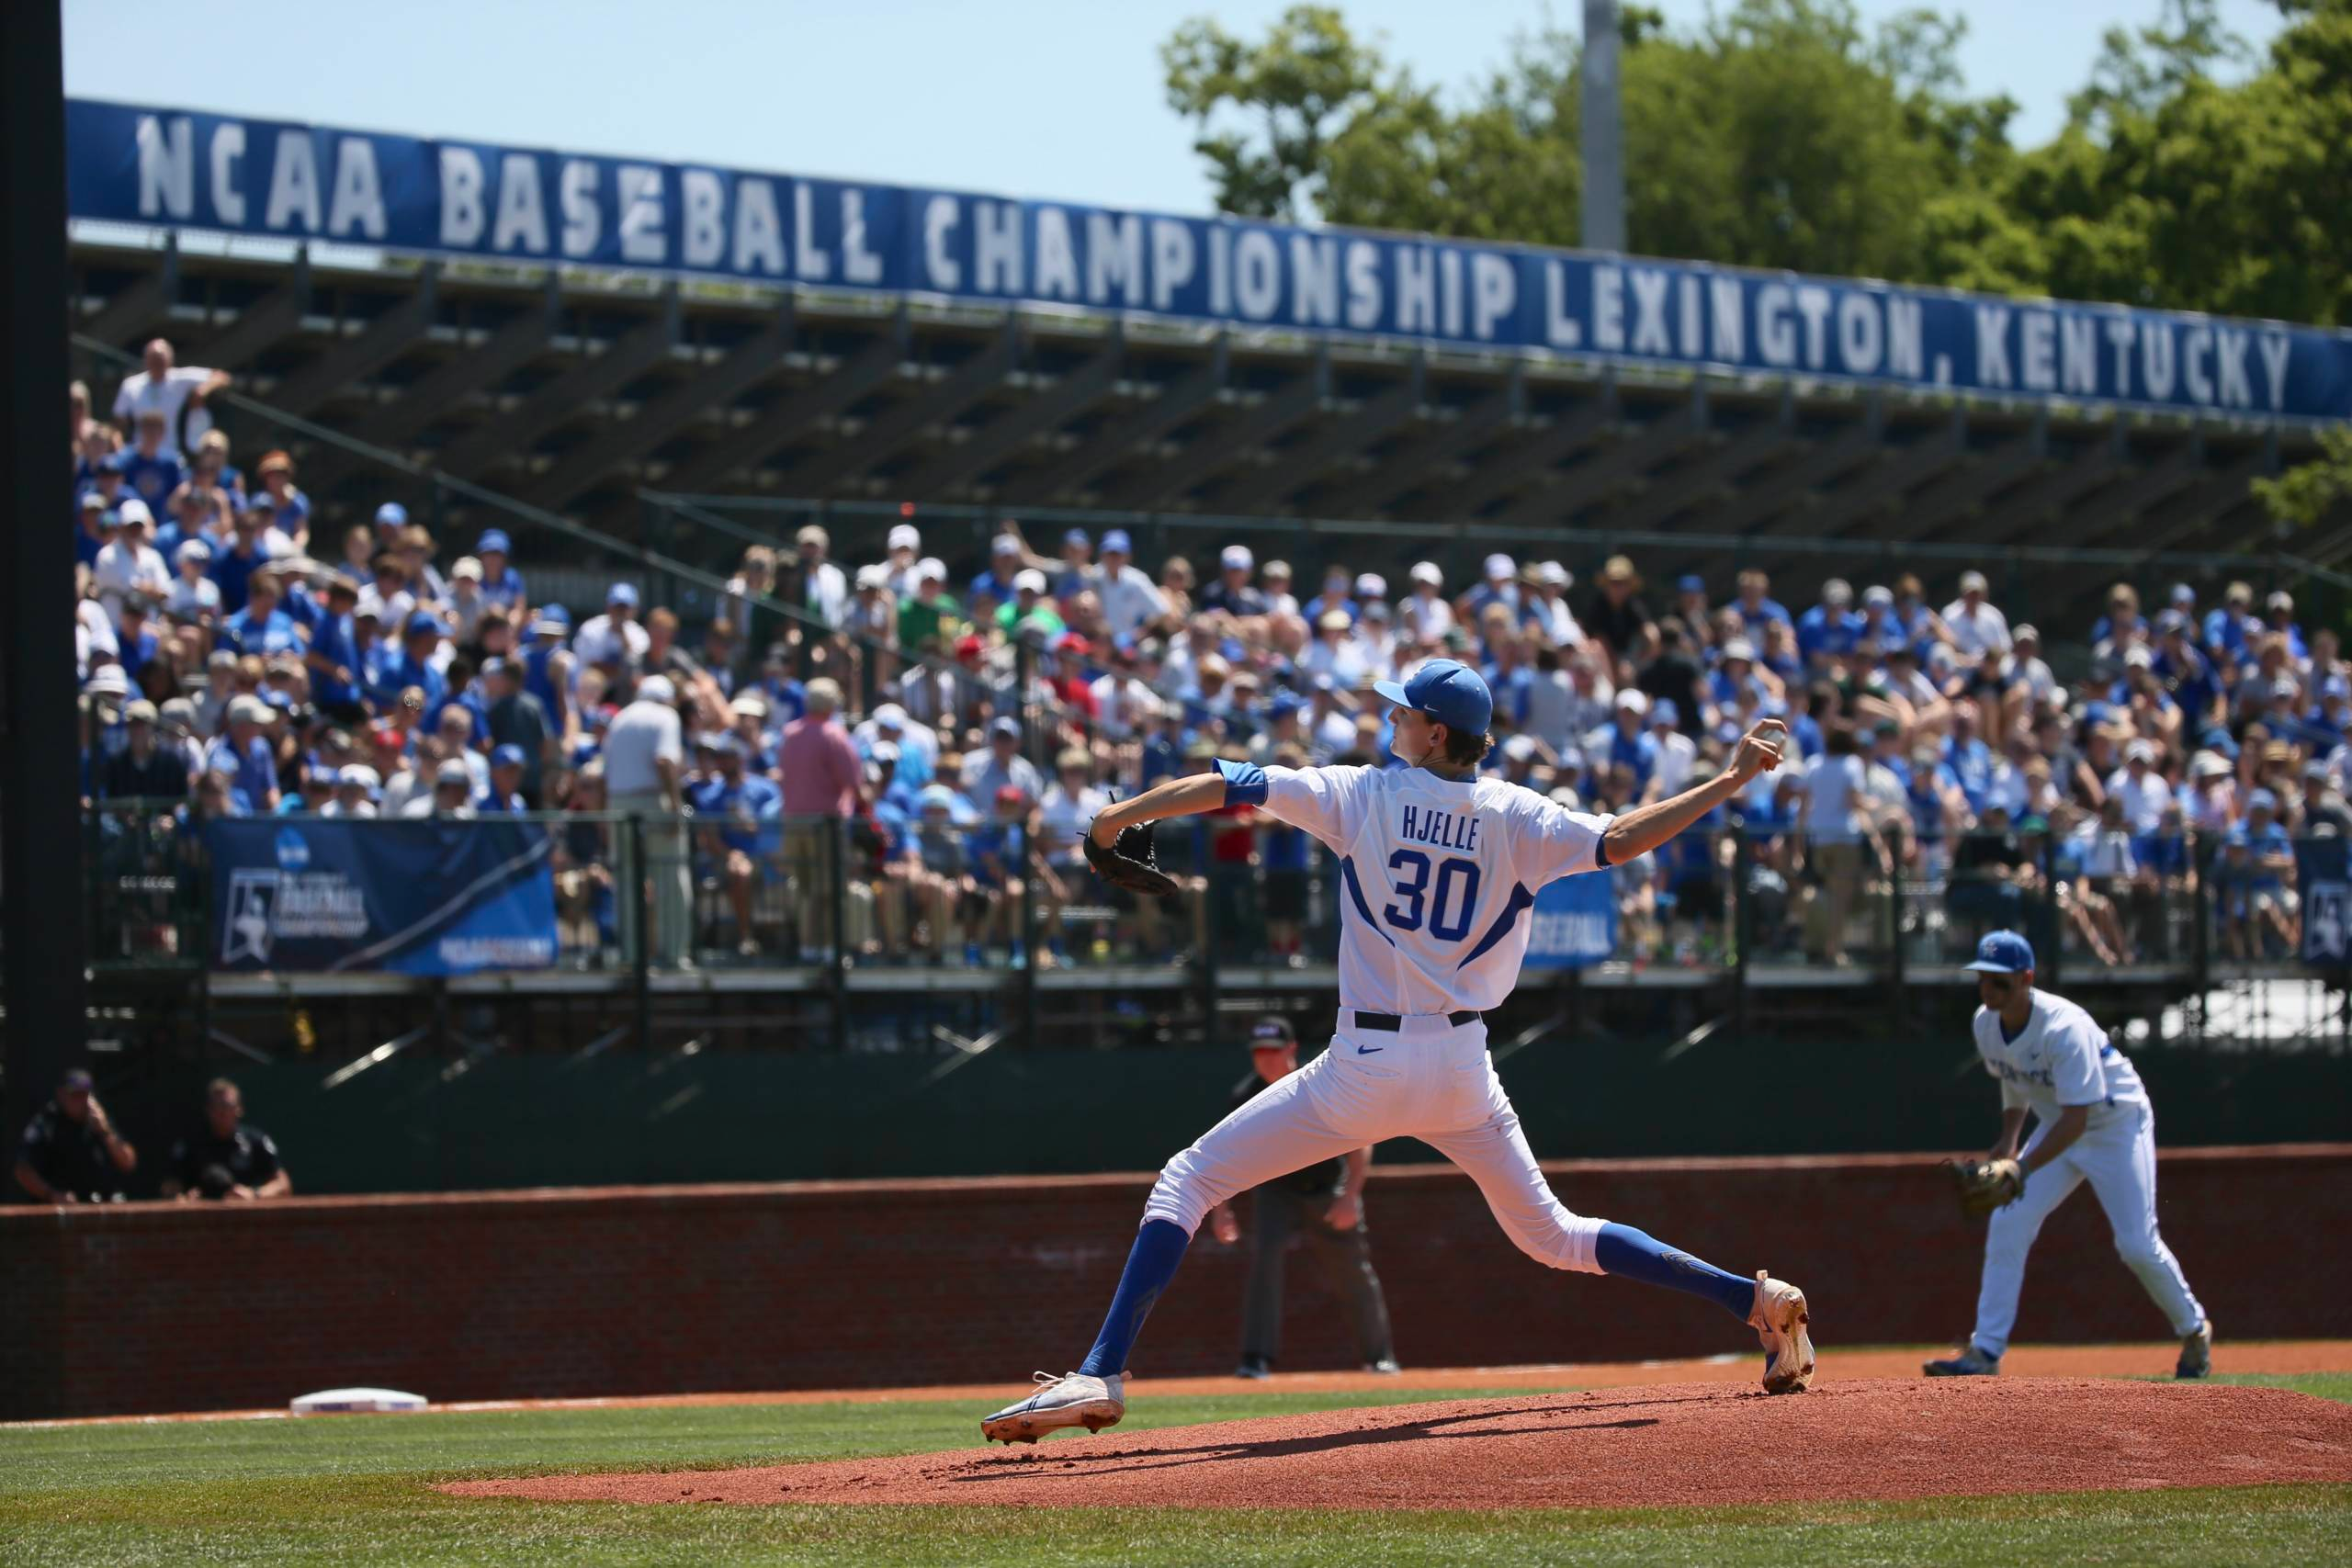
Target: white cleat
[(1073, 1399), (1779, 1318)]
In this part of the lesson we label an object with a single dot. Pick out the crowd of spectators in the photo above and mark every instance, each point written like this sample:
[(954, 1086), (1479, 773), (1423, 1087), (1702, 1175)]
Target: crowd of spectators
[(912, 752)]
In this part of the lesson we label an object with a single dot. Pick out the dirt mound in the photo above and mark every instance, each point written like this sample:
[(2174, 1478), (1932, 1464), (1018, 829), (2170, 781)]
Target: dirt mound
[(1678, 1444)]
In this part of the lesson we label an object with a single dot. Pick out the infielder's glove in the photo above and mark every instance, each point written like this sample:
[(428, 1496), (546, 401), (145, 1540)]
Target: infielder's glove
[(1129, 863), (1984, 1185)]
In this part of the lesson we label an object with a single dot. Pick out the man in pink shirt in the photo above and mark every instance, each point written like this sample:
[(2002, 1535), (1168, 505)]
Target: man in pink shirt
[(823, 778)]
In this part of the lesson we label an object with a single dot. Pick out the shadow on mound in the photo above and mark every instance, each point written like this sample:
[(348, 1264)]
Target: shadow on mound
[(1690, 1445)]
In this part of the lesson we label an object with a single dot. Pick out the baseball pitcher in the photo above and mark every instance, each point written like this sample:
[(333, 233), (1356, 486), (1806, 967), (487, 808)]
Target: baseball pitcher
[(2093, 1122), (1440, 867)]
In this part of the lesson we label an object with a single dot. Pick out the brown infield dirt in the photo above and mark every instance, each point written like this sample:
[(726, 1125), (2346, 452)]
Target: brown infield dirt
[(1665, 1445)]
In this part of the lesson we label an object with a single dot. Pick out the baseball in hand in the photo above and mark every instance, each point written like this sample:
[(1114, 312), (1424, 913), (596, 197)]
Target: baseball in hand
[(1759, 749)]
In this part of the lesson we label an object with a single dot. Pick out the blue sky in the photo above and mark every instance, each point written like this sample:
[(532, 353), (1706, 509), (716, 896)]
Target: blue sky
[(1027, 98)]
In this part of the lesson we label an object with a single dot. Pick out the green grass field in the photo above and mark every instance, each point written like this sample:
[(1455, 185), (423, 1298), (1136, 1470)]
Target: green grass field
[(342, 1491)]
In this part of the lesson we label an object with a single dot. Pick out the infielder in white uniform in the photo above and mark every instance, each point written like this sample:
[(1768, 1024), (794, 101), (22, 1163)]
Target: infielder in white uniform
[(2093, 1122), (1440, 868)]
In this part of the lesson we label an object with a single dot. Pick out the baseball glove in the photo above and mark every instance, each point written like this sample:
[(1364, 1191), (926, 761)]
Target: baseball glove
[(1984, 1185), (1129, 863)]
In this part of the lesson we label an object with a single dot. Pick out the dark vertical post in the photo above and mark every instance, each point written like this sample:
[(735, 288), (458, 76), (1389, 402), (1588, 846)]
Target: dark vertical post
[(44, 971), (836, 831), (1743, 936), (641, 957)]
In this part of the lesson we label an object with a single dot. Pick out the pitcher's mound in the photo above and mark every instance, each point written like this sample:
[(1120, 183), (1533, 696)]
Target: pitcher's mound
[(1680, 1444)]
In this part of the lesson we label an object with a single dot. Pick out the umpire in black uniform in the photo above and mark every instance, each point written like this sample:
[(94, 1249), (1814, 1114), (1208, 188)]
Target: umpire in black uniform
[(1323, 1205)]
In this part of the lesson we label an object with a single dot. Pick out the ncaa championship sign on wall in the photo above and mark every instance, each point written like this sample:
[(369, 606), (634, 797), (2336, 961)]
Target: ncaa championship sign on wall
[(417, 897), (180, 168)]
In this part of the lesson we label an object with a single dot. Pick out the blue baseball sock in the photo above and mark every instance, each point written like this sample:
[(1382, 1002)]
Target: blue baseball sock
[(1621, 1249), (1151, 1263)]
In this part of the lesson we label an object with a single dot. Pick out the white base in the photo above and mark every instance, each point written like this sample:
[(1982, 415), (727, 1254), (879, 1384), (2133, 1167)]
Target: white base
[(357, 1402)]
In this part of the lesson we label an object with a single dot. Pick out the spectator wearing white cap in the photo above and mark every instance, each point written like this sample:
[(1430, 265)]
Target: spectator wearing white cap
[(1975, 626), (645, 758), (1007, 555), (1336, 652), (452, 795), (1425, 617), (1131, 601), (466, 603), (2279, 620), (1830, 628), (901, 569), (1275, 581), (1678, 755), (358, 787), (1232, 593), (1548, 608), (1032, 616), (1498, 585), (2024, 665), (193, 599), (918, 746), (2140, 788), (128, 564), (873, 618)]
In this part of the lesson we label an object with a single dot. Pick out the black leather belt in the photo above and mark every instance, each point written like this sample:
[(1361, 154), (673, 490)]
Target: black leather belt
[(1389, 1023)]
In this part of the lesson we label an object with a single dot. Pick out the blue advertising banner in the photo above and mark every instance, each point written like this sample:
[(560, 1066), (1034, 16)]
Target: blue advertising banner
[(1575, 923), (421, 898), (172, 167)]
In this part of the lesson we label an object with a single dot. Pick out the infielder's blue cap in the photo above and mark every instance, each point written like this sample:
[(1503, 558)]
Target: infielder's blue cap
[(2002, 953), (1449, 692)]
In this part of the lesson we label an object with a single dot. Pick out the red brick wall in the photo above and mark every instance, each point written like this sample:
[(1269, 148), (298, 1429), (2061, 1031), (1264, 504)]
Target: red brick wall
[(156, 1307)]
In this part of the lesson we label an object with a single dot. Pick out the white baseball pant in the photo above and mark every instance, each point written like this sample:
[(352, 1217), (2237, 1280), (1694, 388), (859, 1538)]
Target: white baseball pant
[(2118, 1159), (1429, 1080)]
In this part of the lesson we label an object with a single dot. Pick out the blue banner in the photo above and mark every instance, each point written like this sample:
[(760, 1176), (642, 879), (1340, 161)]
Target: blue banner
[(1575, 923), (176, 168), (417, 898)]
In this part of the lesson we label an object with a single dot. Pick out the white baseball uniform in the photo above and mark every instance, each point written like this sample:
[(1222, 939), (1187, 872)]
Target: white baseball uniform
[(2059, 1059), (1439, 877)]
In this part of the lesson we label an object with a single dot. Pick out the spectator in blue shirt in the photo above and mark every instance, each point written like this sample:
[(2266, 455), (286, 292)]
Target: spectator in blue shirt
[(243, 754), (1830, 628), (2227, 625), (500, 584), (2280, 621), (333, 659), (261, 626), (410, 664), (1632, 746), (1756, 604), (1005, 564), (736, 818), (1969, 758), (505, 791), (235, 565), (150, 472)]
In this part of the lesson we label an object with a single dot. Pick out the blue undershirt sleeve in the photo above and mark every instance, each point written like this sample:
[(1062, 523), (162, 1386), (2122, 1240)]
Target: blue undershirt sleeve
[(1245, 784)]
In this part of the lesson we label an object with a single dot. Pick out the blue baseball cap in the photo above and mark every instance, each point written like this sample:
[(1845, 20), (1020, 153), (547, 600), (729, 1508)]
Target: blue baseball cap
[(1446, 689), (1691, 582), (391, 514), (1076, 536), (493, 539), (423, 620), (507, 756), (1116, 540), (1663, 711), (621, 594), (2002, 953)]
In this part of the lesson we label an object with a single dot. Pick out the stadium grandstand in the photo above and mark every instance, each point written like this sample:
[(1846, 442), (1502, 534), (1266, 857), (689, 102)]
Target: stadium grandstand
[(398, 535)]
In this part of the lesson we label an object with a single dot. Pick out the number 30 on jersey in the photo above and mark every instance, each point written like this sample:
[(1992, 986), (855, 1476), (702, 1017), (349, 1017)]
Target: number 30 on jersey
[(1447, 907)]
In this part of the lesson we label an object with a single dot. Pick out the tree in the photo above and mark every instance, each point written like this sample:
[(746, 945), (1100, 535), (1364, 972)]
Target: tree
[(2307, 492), (1781, 133)]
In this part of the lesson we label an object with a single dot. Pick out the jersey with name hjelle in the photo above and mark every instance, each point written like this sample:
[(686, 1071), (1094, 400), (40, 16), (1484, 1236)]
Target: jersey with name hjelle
[(1437, 875)]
